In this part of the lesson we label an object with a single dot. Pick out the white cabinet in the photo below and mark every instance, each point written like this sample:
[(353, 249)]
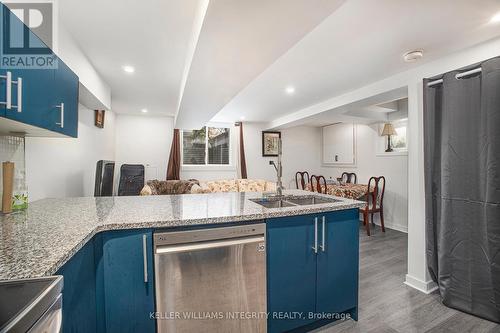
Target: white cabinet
[(339, 144)]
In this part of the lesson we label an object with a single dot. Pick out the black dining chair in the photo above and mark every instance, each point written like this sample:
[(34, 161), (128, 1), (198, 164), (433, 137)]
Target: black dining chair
[(131, 179)]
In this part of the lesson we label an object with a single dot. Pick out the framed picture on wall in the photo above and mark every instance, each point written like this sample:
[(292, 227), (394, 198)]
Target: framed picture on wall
[(99, 118), (270, 142)]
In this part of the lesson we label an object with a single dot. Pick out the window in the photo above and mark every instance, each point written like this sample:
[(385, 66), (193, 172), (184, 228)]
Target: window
[(206, 146), (399, 141)]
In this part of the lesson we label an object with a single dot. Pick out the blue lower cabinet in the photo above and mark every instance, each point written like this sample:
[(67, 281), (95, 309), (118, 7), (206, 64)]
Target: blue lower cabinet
[(306, 287), (338, 263), (291, 272), (125, 282), (79, 298), (104, 284)]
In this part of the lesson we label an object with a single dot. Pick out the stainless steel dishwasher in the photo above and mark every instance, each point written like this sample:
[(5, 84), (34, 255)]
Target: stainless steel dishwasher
[(211, 280)]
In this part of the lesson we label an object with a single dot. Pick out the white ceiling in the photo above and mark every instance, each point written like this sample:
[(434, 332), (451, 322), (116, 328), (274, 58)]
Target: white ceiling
[(151, 35), (362, 42), (241, 55), (361, 111), (240, 39)]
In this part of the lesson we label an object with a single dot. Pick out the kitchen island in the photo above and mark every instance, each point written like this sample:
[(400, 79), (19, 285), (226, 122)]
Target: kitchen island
[(69, 237)]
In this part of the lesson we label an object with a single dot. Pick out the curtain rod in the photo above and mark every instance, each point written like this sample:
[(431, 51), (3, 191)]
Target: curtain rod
[(458, 76)]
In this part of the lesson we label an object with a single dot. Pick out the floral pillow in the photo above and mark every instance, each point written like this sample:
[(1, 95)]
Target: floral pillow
[(223, 185), (251, 185)]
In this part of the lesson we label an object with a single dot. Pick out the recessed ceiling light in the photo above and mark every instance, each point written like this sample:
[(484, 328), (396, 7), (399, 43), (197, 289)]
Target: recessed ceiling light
[(144, 110), (413, 55), (128, 69), (290, 90), (495, 18)]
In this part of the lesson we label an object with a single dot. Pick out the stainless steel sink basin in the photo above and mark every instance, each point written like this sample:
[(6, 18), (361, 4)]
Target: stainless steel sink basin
[(269, 203), (291, 201), (312, 200)]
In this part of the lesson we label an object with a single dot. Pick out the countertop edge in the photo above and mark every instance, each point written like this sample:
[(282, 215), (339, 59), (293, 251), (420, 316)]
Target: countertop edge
[(192, 222), (52, 242)]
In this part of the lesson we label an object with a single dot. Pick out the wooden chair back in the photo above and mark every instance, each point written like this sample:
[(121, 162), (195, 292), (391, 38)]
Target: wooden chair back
[(301, 179), (375, 198), (316, 184), (349, 177)]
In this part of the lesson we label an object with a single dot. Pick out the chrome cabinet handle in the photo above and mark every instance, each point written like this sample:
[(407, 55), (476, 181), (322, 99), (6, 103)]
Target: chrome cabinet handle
[(8, 90), (61, 123), (315, 247), (19, 105), (145, 257), (323, 232)]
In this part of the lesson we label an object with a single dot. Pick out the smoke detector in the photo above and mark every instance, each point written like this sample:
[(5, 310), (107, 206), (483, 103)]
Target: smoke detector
[(413, 56)]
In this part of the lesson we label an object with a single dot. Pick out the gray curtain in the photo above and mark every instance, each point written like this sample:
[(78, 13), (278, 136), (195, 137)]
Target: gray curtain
[(462, 188)]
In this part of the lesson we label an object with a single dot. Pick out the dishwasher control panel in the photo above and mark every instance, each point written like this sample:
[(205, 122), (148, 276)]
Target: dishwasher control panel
[(207, 234)]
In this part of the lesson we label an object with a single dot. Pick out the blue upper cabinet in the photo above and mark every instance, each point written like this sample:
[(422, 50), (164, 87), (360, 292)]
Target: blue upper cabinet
[(127, 285), (3, 88), (64, 101), (41, 95)]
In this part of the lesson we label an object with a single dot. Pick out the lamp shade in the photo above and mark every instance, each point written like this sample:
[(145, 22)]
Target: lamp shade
[(389, 130)]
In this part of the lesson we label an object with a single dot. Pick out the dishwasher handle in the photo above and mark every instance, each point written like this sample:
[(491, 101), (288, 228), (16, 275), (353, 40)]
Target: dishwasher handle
[(187, 247)]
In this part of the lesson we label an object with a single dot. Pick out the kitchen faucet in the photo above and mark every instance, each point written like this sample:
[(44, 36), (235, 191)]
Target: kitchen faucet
[(279, 171)]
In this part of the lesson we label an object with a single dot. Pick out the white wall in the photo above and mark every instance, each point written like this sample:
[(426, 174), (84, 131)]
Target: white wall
[(144, 140), (370, 163), (65, 167), (94, 91), (418, 276), (301, 151)]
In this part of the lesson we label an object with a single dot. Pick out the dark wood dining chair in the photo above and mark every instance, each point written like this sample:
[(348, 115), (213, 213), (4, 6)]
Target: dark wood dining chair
[(316, 184), (374, 202), (302, 179), (349, 177)]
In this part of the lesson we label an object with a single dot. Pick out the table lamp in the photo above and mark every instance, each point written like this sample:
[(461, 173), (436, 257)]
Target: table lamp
[(388, 131)]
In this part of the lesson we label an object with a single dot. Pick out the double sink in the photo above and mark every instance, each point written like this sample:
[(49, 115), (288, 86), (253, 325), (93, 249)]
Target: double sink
[(292, 200)]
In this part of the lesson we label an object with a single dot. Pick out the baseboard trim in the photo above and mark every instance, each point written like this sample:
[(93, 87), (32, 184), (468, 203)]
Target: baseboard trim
[(396, 227), (392, 226), (425, 287)]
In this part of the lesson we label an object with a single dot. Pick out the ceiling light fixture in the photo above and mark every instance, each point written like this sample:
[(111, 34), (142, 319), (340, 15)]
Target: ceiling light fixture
[(144, 110), (413, 56), (242, 118), (290, 90), (128, 69), (495, 18)]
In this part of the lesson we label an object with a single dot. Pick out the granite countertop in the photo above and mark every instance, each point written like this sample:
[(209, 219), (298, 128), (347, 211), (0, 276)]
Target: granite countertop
[(38, 241)]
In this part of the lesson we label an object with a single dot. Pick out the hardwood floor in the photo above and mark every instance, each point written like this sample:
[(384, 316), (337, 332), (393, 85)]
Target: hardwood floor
[(388, 305)]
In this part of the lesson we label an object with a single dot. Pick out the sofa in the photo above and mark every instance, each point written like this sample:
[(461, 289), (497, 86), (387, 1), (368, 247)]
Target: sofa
[(192, 186)]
